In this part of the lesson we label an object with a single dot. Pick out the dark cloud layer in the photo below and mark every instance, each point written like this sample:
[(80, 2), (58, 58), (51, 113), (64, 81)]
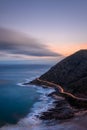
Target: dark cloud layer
[(17, 43)]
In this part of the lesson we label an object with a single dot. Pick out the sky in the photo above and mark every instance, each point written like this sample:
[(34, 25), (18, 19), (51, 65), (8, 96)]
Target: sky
[(42, 30)]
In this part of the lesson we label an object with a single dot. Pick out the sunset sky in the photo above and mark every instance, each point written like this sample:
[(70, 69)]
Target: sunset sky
[(42, 29)]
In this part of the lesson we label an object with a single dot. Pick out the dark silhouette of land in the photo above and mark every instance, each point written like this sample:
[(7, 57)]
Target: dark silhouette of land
[(70, 73), (69, 78)]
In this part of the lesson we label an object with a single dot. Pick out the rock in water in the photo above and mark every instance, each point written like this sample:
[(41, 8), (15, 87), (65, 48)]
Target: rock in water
[(70, 73)]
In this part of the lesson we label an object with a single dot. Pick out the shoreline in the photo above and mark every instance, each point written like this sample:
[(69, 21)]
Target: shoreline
[(68, 96), (57, 124), (43, 103), (67, 105)]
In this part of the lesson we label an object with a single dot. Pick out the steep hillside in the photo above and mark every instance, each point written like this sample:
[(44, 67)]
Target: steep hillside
[(70, 73)]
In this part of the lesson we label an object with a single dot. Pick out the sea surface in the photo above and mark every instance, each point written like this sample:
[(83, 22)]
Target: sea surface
[(20, 106)]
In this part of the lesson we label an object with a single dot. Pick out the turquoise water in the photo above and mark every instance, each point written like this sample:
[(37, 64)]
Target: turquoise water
[(16, 101)]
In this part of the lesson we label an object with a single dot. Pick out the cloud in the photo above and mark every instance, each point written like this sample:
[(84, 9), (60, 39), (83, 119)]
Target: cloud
[(13, 42)]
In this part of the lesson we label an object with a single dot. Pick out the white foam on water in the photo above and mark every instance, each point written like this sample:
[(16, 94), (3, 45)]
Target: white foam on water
[(32, 121), (26, 81), (43, 104), (55, 127), (20, 84)]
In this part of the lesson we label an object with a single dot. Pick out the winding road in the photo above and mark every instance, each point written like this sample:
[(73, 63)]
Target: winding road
[(82, 102)]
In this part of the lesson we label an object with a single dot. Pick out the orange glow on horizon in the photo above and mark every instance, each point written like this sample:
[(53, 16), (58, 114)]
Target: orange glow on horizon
[(67, 50)]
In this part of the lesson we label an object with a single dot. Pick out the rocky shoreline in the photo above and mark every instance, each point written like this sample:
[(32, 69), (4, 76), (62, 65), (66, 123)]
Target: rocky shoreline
[(64, 106), (69, 79)]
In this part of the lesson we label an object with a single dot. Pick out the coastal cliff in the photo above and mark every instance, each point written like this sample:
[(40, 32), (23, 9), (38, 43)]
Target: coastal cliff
[(69, 78), (70, 73)]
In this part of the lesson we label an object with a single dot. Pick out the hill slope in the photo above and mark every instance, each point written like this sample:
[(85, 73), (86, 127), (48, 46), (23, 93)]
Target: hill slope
[(70, 73)]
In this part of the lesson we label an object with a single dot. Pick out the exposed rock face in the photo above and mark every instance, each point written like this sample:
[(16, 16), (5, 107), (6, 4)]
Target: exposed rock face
[(70, 73)]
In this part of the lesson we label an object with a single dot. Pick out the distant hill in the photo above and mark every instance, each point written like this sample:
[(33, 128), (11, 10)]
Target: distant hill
[(70, 73)]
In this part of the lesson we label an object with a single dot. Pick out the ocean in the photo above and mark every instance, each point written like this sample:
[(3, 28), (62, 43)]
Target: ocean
[(20, 106)]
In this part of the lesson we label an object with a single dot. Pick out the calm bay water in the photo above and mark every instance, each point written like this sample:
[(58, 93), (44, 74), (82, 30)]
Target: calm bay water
[(16, 101)]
